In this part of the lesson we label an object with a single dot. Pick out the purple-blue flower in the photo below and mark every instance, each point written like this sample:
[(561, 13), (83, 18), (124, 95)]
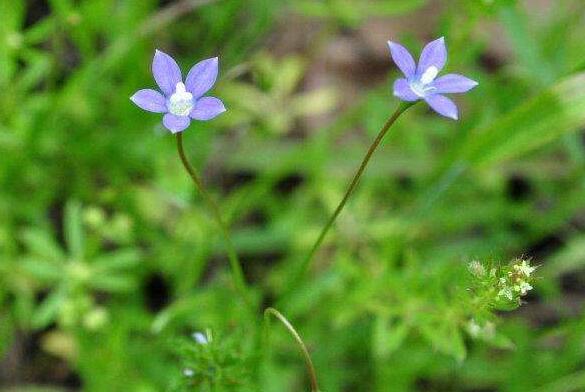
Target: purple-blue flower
[(421, 81), (180, 101)]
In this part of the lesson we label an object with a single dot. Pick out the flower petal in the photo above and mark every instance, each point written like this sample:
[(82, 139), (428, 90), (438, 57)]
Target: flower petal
[(176, 123), (453, 83), (403, 91), (207, 108), (166, 72), (402, 58), (150, 100), (434, 54), (202, 77), (443, 105)]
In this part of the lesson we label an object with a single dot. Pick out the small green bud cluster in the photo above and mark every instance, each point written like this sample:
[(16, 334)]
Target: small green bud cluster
[(502, 287), (495, 287), (516, 281)]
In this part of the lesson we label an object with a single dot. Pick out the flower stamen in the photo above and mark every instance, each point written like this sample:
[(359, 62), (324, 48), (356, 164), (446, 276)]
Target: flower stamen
[(181, 102), (429, 75), (421, 89)]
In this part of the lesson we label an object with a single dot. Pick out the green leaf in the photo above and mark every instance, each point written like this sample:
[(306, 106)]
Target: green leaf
[(287, 74), (388, 337), (12, 16), (445, 337), (38, 67), (314, 102), (42, 244), (393, 8), (114, 284), (46, 271), (351, 12), (555, 112), (527, 46), (501, 341), (13, 13), (47, 310), (570, 258), (41, 30), (74, 230), (122, 259)]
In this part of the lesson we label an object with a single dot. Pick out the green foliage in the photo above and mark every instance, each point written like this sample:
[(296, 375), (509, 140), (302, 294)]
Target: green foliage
[(72, 276), (109, 260), (551, 114), (214, 363), (271, 102), (344, 11)]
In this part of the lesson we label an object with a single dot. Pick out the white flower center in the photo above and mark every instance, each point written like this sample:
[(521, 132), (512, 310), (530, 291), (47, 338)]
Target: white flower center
[(429, 75), (181, 102), (420, 89), (421, 86)]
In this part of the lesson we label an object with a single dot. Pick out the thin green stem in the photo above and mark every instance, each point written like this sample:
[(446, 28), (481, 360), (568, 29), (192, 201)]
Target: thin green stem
[(237, 273), (356, 178), (298, 339)]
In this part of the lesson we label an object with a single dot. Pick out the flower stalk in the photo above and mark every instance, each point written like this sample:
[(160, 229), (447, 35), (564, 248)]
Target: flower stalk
[(308, 362), (402, 107), (236, 267)]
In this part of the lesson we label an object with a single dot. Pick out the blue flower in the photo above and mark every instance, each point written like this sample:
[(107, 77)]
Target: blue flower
[(421, 81), (180, 101)]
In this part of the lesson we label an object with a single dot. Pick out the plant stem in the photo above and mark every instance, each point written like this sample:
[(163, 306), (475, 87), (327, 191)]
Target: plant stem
[(237, 273), (403, 106), (298, 339)]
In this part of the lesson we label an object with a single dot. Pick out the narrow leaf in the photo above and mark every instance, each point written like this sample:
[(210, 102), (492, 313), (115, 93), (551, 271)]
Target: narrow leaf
[(557, 111)]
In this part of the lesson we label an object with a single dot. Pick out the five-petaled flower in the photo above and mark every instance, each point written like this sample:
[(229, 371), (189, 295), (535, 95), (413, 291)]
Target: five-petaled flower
[(180, 101), (421, 81)]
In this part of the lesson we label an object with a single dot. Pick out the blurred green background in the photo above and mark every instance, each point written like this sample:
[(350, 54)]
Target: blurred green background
[(109, 259)]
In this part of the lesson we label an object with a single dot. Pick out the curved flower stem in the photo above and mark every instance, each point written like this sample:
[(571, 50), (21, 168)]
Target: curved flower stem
[(305, 265), (237, 273), (298, 339)]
